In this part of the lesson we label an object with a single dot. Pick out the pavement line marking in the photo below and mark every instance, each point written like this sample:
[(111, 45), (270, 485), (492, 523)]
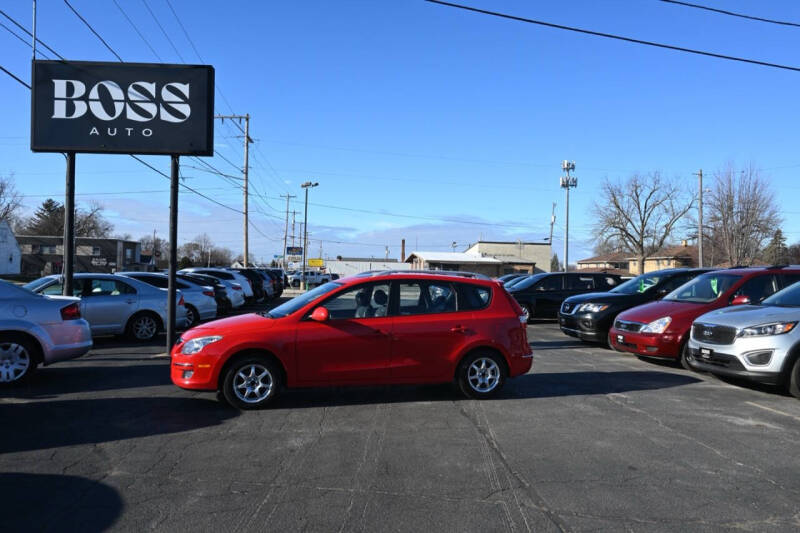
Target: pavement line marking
[(777, 411)]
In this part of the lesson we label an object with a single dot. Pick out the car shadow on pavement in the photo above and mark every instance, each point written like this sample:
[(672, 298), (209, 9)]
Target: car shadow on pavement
[(45, 502), (65, 379), (531, 386), (53, 424)]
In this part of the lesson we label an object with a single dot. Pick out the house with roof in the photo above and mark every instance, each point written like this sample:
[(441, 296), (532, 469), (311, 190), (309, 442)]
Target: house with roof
[(679, 256), (10, 254)]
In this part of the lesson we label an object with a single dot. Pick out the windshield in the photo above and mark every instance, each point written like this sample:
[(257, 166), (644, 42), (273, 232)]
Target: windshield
[(300, 301), (638, 285), (513, 281), (788, 297), (703, 289), (524, 283), (37, 284)]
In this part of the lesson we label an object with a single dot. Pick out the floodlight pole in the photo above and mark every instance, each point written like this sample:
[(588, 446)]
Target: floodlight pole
[(307, 185), (68, 268), (566, 183), (173, 251)]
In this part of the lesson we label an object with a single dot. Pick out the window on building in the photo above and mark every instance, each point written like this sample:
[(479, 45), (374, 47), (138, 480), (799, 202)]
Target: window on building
[(96, 251)]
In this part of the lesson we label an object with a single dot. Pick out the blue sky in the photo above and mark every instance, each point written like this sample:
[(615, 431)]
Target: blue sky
[(432, 124)]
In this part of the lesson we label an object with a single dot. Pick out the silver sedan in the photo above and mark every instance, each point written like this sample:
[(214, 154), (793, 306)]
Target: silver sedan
[(115, 305), (200, 302), (37, 329)]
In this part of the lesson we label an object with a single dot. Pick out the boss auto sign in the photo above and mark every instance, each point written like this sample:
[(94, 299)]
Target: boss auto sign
[(130, 108)]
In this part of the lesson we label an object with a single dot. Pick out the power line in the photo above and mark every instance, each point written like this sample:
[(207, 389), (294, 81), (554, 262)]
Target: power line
[(185, 33), (616, 37), (20, 26), (146, 5), (124, 14), (14, 76), (92, 30), (732, 13)]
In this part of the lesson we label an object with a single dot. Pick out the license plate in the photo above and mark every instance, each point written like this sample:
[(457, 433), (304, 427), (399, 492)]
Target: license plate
[(620, 339), (706, 353)]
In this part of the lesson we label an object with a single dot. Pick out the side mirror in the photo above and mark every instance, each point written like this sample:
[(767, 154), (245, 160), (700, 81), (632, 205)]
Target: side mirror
[(741, 299), (661, 293), (320, 314)]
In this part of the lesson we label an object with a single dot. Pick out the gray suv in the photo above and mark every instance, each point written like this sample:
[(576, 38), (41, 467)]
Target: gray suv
[(756, 342)]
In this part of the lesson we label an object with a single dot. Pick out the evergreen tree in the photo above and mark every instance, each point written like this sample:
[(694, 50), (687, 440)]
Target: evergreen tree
[(555, 264), (776, 252)]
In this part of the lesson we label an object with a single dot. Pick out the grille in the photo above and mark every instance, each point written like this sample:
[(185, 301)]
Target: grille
[(713, 334), (568, 308), (624, 325)]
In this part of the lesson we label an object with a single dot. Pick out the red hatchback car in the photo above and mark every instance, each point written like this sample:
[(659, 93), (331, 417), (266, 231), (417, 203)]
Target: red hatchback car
[(661, 329), (385, 328)]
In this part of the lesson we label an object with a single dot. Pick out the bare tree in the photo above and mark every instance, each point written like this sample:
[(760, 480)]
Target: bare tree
[(743, 212), (10, 199), (640, 214)]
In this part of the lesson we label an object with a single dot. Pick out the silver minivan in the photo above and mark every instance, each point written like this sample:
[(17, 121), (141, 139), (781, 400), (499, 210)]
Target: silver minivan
[(756, 342)]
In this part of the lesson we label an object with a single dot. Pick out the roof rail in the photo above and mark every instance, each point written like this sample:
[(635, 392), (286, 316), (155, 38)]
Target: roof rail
[(779, 266), (413, 272)]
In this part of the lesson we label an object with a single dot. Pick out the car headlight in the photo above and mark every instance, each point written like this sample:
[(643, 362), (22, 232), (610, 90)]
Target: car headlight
[(776, 328), (195, 345), (592, 308), (657, 326)]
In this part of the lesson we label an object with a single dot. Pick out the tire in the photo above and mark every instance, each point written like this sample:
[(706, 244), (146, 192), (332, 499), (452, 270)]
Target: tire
[(251, 383), (17, 359), (793, 381), (481, 374), (685, 356), (529, 310), (143, 327), (192, 316)]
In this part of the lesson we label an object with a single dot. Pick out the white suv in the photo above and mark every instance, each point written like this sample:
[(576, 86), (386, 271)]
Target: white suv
[(312, 278), (756, 342)]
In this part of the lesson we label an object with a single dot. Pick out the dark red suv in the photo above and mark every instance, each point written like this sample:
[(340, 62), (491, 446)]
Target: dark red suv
[(660, 329), (385, 328)]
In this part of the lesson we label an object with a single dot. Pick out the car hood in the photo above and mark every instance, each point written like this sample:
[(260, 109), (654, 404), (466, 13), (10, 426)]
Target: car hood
[(604, 297), (654, 310), (742, 316), (234, 324)]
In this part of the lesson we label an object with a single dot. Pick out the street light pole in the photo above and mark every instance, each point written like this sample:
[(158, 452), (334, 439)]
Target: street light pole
[(307, 185), (566, 183), (699, 175)]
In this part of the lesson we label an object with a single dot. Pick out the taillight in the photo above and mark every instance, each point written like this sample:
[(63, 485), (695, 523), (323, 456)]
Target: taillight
[(71, 312), (181, 302), (209, 293)]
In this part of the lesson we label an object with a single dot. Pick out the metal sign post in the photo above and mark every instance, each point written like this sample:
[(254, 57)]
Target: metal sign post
[(173, 250), (68, 267)]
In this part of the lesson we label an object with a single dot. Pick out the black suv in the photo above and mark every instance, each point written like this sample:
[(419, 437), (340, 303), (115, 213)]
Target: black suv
[(590, 316), (540, 295)]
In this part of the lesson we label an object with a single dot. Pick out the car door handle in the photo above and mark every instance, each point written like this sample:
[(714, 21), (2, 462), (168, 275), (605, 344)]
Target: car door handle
[(130, 301), (458, 329)]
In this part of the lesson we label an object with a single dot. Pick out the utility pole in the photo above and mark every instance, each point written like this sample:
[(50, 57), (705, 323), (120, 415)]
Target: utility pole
[(294, 214), (286, 227), (247, 141), (699, 175), (552, 223), (566, 183), (307, 185)]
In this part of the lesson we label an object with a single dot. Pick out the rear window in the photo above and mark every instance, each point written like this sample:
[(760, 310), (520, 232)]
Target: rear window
[(473, 297)]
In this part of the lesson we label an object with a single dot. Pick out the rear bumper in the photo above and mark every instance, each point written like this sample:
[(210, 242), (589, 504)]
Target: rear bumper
[(64, 352), (728, 365), (666, 346), (520, 365)]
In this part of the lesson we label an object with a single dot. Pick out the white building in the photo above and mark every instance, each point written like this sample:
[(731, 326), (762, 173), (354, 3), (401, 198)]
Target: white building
[(10, 254)]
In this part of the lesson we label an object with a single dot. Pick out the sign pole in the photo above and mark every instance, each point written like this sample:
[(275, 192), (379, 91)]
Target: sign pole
[(173, 251), (69, 226)]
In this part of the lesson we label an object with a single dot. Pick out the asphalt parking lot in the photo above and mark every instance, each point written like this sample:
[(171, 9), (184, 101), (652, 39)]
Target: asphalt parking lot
[(589, 440)]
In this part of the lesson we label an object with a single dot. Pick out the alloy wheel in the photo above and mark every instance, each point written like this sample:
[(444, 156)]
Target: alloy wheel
[(14, 361), (145, 327), (253, 383), (483, 375)]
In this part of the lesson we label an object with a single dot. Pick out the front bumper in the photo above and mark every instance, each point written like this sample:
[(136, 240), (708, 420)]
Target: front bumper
[(666, 345), (729, 365), (584, 326), (194, 372)]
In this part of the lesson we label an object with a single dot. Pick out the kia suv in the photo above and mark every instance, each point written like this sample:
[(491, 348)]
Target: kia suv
[(661, 329), (589, 316), (386, 328), (760, 343)]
